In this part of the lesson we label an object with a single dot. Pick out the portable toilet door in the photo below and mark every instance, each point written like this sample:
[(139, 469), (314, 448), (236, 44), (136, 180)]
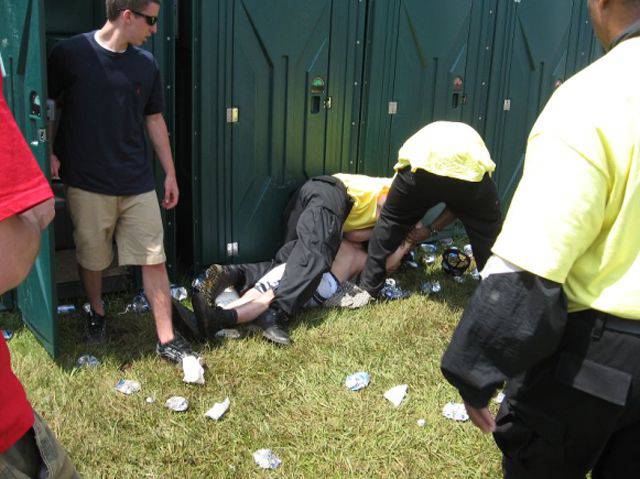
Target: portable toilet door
[(24, 78)]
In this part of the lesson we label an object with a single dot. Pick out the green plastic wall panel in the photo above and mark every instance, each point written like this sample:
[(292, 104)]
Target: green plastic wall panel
[(295, 80), (530, 61), (425, 60), (22, 52)]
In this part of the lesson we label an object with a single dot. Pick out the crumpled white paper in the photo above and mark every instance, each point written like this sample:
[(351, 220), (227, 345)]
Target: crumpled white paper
[(193, 371), (266, 459), (218, 410), (499, 398), (127, 386), (177, 403), (455, 411), (396, 394), (357, 381)]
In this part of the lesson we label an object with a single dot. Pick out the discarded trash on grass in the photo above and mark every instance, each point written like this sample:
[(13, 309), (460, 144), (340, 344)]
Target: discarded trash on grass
[(88, 361), (227, 296), (7, 334), (218, 409), (429, 248), (66, 308), (127, 386), (468, 250), (429, 259), (396, 394), (475, 274), (421, 422), (459, 279), (177, 403), (228, 333), (391, 291), (455, 411), (150, 400), (138, 304), (179, 293), (499, 398), (266, 459), (430, 287), (410, 260), (446, 242), (193, 370), (357, 381)]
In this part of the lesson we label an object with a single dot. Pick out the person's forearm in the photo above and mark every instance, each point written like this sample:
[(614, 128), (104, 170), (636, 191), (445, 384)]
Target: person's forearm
[(159, 136), (442, 221), (513, 321), (395, 259), (20, 237)]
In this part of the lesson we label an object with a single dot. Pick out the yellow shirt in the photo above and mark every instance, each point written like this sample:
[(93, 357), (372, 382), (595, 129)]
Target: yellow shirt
[(446, 148), (575, 217), (365, 192)]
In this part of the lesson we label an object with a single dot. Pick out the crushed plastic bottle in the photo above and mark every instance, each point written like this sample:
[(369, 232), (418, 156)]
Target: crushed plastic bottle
[(127, 386), (499, 398), (430, 287), (391, 291), (266, 459), (179, 293), (138, 304), (177, 403), (429, 248), (66, 308), (429, 259), (357, 381), (228, 333), (88, 361)]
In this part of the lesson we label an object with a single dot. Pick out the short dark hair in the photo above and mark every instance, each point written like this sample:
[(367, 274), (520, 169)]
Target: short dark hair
[(114, 7)]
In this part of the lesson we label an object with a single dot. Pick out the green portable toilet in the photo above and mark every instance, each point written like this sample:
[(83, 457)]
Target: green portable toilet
[(28, 29), (276, 91)]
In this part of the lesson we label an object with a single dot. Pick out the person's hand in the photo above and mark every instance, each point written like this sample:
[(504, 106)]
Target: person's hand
[(481, 418), (41, 214), (171, 192), (55, 166)]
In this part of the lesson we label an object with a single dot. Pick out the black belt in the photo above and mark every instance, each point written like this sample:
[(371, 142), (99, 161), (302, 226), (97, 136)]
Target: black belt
[(620, 325)]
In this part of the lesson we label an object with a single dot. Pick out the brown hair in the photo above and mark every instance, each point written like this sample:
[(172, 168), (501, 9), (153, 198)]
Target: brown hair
[(114, 7)]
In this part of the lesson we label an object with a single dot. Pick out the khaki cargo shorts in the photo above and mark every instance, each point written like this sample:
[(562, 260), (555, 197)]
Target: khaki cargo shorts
[(134, 221)]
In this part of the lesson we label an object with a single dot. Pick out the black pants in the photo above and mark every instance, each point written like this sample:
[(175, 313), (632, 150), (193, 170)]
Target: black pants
[(577, 411), (313, 222), (411, 196)]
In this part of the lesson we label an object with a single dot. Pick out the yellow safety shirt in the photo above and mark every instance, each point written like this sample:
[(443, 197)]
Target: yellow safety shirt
[(365, 192), (447, 148), (575, 217)]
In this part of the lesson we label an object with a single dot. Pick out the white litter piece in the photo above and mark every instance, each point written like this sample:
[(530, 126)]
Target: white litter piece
[(88, 361), (227, 296), (475, 274), (357, 381), (458, 279), (177, 403), (127, 386), (421, 422), (396, 394), (266, 459), (150, 400), (228, 333), (455, 411), (499, 398), (218, 409), (179, 293), (468, 250), (193, 371)]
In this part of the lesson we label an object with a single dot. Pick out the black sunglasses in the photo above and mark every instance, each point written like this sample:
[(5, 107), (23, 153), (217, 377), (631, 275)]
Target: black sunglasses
[(151, 21)]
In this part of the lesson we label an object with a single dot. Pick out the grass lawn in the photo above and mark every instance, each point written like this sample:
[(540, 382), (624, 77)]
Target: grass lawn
[(292, 401)]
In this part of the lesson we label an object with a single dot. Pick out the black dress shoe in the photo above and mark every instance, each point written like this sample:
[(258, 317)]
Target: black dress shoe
[(269, 323)]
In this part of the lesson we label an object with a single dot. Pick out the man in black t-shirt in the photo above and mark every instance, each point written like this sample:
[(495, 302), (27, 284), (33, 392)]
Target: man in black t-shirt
[(109, 91)]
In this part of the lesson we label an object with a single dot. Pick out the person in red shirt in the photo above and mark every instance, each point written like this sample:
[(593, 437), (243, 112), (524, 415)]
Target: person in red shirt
[(28, 448)]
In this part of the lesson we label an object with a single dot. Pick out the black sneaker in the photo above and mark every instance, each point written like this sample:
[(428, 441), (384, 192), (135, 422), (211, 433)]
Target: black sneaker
[(175, 350), (217, 278), (211, 319), (95, 325), (270, 324)]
